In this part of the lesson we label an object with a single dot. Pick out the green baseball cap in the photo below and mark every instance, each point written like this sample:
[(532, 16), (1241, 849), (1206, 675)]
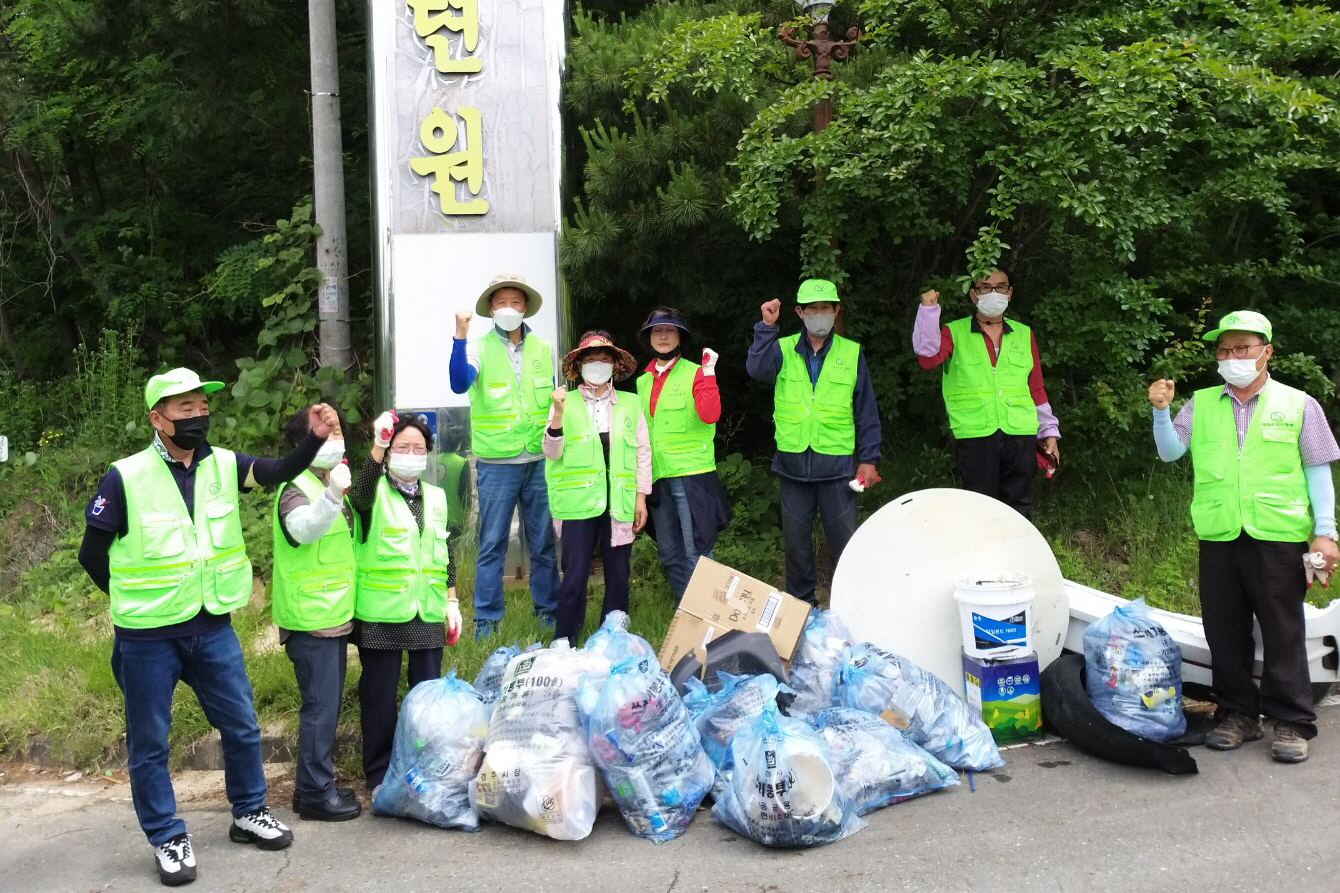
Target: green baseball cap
[(812, 290), (176, 381), (1241, 321)]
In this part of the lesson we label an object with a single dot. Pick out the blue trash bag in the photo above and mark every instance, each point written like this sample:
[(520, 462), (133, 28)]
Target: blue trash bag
[(874, 762), (537, 772), (920, 703), (782, 791), (719, 715), (438, 746), (815, 662), (646, 747), (1133, 672), (489, 681), (614, 642)]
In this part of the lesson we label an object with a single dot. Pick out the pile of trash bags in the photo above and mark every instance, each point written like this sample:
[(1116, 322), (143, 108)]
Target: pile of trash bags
[(1133, 673), (544, 733)]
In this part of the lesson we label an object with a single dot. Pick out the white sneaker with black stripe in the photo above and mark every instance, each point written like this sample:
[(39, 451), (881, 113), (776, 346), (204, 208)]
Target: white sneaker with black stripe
[(176, 860), (261, 828)]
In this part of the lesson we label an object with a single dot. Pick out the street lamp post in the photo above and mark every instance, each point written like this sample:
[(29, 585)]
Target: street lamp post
[(821, 48)]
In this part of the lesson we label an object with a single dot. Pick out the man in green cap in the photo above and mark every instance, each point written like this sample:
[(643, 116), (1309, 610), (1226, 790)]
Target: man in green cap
[(827, 426), (1262, 452), (164, 541)]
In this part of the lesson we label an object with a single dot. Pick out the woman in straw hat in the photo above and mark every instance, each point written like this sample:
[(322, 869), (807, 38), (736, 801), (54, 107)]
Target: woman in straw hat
[(598, 471)]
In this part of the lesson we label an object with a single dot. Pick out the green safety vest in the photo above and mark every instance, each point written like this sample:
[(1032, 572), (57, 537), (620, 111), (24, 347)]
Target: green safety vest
[(1261, 487), (402, 571), (816, 416), (982, 399), (506, 416), (169, 564), (681, 443), (454, 465), (578, 485), (313, 585)]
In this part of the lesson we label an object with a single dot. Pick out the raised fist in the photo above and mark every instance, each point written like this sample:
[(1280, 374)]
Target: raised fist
[(463, 323), (771, 311), (709, 361), (1161, 393), (321, 420), (339, 481), (930, 298), (559, 397), (383, 428)]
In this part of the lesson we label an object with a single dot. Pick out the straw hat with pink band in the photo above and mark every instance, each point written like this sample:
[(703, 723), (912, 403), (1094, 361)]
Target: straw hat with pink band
[(624, 364)]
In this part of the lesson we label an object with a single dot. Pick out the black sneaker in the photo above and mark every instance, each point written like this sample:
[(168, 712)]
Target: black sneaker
[(261, 828), (176, 861), (343, 792)]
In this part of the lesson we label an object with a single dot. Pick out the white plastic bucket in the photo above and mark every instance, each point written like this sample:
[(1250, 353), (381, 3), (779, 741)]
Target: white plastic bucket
[(812, 785), (996, 614)]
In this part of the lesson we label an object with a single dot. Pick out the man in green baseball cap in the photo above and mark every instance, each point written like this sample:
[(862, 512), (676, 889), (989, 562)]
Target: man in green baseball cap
[(163, 538), (1262, 452), (827, 426)]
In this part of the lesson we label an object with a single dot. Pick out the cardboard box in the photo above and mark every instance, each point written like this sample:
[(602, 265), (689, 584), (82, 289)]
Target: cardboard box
[(719, 599), (1008, 695)]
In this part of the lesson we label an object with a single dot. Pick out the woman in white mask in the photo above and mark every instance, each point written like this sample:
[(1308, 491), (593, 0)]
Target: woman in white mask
[(312, 603), (598, 473), (405, 602)]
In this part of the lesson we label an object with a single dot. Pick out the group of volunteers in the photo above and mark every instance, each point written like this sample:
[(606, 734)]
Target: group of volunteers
[(367, 556)]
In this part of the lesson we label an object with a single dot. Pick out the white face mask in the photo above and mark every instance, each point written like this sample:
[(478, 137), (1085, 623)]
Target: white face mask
[(507, 318), (1239, 373), (597, 373), (992, 303), (330, 454), (820, 324), (407, 466)]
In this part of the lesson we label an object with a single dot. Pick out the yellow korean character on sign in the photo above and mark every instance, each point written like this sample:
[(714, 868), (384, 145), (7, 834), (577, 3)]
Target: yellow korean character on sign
[(438, 134), (460, 16)]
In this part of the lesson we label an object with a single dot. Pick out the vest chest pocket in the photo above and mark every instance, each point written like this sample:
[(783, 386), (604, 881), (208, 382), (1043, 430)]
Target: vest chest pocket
[(225, 526), (672, 408), (393, 542), (541, 388), (579, 450), (1277, 434), (162, 535), (441, 552), (1209, 460), (335, 548)]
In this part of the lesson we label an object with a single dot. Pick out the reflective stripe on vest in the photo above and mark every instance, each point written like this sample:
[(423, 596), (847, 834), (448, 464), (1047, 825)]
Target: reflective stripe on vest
[(313, 586), (577, 483), (816, 416), (980, 398), (681, 443), (506, 416), (402, 572), (169, 564), (1261, 488)]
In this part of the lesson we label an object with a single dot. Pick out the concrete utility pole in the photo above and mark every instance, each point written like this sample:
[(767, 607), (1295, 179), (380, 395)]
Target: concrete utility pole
[(328, 187)]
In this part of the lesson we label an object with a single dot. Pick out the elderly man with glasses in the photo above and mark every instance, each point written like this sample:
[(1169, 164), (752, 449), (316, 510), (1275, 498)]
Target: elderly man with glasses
[(1262, 452)]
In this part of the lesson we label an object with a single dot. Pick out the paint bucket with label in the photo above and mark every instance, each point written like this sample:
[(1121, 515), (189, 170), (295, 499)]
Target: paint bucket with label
[(996, 614)]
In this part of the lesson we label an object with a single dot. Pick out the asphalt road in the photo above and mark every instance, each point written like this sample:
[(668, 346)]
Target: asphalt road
[(1053, 819)]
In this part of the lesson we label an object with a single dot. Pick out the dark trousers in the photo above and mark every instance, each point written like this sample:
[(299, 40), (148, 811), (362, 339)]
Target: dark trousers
[(377, 703), (1240, 579), (319, 664), (1001, 466), (579, 541), (835, 503)]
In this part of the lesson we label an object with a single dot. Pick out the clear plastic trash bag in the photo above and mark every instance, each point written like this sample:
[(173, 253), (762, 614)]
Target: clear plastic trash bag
[(489, 681), (719, 715), (645, 744), (537, 773), (439, 742), (874, 762), (782, 791), (614, 642), (919, 703), (815, 663), (1133, 672)]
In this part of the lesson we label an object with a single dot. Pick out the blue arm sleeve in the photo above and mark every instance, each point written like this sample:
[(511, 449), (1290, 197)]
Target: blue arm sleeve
[(1170, 446), (459, 371), (764, 360), (1321, 493)]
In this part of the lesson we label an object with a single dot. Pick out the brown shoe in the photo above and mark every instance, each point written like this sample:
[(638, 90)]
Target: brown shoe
[(1288, 746), (1233, 729)]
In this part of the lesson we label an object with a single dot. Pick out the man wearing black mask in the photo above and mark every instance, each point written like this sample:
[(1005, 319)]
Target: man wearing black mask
[(164, 541)]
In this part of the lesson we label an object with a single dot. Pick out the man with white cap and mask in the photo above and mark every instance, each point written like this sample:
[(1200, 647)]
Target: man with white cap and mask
[(509, 375), (1262, 452)]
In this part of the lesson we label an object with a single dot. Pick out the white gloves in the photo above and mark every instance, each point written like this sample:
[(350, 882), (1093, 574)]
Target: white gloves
[(383, 428), (709, 361), (453, 619), (1314, 568), (340, 479)]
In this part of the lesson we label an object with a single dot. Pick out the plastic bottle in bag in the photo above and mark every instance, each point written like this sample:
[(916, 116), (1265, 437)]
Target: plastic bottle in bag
[(1133, 672)]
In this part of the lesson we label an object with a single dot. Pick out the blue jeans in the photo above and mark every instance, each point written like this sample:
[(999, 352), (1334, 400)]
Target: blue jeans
[(319, 665), (673, 521), (499, 489), (835, 503), (148, 673)]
